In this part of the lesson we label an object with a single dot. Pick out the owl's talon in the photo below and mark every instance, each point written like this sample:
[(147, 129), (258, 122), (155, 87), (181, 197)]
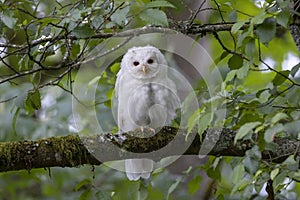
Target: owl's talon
[(152, 129)]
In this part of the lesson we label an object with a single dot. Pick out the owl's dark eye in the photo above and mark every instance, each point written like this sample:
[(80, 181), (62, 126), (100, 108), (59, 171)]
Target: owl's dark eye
[(136, 63), (150, 61)]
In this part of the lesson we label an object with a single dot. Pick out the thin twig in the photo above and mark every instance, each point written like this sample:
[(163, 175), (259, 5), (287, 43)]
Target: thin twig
[(193, 17), (223, 21), (9, 99)]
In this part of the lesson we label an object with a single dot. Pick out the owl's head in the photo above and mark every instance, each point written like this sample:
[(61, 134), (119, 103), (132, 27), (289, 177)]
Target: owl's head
[(144, 62)]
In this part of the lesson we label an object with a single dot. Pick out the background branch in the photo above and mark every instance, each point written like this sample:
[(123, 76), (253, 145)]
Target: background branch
[(294, 27)]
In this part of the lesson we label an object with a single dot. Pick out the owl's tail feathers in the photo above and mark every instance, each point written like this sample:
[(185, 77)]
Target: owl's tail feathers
[(138, 168)]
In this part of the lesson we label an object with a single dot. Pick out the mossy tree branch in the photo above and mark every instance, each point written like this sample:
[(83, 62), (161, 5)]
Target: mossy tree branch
[(70, 151)]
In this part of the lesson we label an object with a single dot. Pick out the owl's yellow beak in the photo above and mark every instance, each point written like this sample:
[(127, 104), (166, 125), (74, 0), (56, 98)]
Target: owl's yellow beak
[(144, 69)]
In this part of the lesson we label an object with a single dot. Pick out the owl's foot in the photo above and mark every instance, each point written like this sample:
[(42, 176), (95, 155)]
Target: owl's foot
[(151, 129), (147, 131)]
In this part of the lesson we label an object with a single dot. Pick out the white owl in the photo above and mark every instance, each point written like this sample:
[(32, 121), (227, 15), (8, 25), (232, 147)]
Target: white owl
[(146, 96)]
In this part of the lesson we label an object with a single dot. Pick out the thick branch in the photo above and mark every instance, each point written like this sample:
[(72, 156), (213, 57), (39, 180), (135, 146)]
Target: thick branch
[(72, 150)]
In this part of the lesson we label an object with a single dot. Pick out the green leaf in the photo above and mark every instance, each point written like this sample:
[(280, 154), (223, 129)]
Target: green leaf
[(223, 55), (86, 194), (120, 16), (174, 186), (93, 81), (292, 128), (154, 193), (251, 165), (154, 17), (266, 31), (103, 195), (237, 26), (242, 72), (241, 39), (204, 122), (238, 173), (233, 16), (97, 21), (263, 95), (271, 132), (259, 18), (245, 130), (294, 70), (21, 99), (33, 101), (291, 163), (240, 186), (157, 4), (75, 50), (107, 103), (283, 18), (295, 115), (193, 120), (279, 78), (278, 182), (109, 93), (8, 19), (83, 31), (250, 49), (214, 173), (235, 62), (75, 14), (82, 184), (216, 163), (115, 68), (278, 117), (194, 185), (274, 173), (254, 153), (230, 76), (14, 121)]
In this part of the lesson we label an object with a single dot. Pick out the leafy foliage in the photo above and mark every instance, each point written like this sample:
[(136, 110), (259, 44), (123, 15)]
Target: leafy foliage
[(44, 43)]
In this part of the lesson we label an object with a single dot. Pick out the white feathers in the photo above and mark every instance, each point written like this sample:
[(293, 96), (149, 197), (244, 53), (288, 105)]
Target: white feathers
[(146, 98), (138, 168)]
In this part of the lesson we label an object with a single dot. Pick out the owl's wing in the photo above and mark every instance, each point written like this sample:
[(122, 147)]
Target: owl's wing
[(173, 101), (119, 77)]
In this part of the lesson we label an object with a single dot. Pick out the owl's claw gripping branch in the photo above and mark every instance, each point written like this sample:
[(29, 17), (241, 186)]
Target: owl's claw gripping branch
[(152, 130)]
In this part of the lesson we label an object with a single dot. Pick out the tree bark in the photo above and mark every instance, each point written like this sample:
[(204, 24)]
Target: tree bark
[(295, 25), (72, 151)]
